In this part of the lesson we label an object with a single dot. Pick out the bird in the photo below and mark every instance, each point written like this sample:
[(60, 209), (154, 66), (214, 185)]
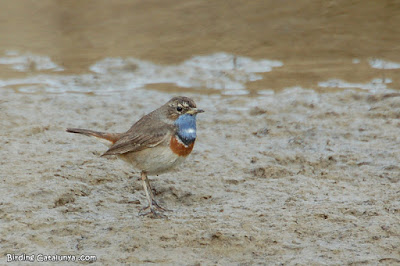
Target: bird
[(155, 144)]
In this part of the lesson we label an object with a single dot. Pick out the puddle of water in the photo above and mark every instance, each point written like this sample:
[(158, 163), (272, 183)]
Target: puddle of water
[(382, 64), (375, 85), (266, 92), (28, 62), (221, 71), (229, 62)]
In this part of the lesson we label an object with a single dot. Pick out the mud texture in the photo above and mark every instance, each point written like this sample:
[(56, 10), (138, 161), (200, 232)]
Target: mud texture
[(298, 171), (294, 177)]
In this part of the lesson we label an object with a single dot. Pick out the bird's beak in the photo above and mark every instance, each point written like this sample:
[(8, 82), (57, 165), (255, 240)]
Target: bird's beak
[(194, 111)]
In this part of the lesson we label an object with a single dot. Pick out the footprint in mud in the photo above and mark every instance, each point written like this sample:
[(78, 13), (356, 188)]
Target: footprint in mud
[(271, 172), (64, 199), (184, 197), (69, 197)]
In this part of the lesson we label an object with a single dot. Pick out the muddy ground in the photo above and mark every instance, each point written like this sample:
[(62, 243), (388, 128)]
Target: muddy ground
[(291, 173)]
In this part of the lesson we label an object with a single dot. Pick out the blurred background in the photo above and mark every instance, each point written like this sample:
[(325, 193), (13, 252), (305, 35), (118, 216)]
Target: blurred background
[(296, 157), (314, 40)]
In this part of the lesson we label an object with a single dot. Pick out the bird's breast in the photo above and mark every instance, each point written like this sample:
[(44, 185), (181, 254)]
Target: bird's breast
[(180, 148)]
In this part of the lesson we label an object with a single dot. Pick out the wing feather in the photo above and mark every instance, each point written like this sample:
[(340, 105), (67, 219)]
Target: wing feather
[(142, 135)]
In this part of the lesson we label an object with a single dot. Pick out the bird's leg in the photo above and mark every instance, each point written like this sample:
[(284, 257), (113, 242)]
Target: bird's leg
[(150, 198), (153, 201), (144, 178)]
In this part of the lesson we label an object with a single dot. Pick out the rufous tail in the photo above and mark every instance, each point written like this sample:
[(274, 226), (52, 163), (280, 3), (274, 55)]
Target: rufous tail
[(111, 137)]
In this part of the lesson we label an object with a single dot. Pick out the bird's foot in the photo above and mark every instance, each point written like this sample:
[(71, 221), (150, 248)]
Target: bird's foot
[(150, 211), (154, 210), (159, 208)]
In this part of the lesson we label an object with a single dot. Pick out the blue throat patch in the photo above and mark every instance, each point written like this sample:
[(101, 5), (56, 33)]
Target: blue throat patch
[(186, 128)]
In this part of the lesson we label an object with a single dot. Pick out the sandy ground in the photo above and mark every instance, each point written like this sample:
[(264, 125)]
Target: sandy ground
[(301, 175)]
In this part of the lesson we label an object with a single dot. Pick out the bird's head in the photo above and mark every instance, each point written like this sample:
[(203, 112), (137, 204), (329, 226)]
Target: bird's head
[(179, 106)]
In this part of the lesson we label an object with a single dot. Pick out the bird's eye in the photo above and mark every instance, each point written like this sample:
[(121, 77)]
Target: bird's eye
[(179, 109)]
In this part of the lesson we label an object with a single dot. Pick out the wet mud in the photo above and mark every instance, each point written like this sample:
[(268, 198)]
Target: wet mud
[(294, 177), (296, 159)]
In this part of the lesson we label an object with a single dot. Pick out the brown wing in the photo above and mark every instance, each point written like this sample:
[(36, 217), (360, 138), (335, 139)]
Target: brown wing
[(144, 134)]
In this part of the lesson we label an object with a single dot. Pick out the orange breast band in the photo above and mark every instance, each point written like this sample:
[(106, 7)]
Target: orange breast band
[(179, 148)]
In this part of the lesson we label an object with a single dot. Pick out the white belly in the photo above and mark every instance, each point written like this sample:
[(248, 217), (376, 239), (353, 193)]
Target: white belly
[(155, 160)]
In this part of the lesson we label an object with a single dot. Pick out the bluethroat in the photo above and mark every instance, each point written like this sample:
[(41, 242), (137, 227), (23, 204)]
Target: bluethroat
[(156, 143)]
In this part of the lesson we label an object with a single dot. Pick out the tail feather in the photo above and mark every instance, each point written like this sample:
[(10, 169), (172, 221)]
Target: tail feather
[(110, 137)]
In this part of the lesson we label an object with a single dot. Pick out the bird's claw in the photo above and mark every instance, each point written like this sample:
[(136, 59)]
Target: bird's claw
[(151, 210), (154, 209), (159, 208)]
